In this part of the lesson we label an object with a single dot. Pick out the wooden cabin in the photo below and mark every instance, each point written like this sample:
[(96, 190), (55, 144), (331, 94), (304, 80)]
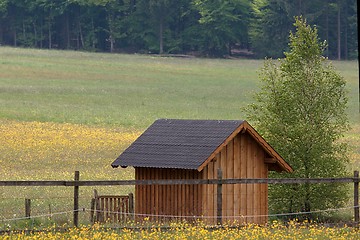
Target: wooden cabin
[(195, 149)]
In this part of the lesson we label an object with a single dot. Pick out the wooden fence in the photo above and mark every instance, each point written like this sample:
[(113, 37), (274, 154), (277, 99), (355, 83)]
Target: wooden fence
[(116, 208), (76, 183)]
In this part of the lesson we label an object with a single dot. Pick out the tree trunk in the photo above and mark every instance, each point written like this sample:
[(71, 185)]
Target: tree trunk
[(346, 33), (1, 33), (24, 31), (41, 33), (111, 40), (35, 34), (307, 198), (13, 28), (15, 38), (67, 29), (111, 32), (307, 185), (49, 32), (81, 35), (93, 33), (327, 28), (112, 45), (161, 43)]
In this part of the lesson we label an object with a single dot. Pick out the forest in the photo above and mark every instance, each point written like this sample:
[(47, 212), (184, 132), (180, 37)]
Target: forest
[(211, 28)]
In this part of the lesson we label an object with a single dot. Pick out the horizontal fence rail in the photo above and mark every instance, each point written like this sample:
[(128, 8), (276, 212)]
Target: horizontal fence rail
[(180, 182)]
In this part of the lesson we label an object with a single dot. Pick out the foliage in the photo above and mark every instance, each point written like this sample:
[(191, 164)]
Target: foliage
[(301, 112), (205, 27), (3, 5), (224, 23), (272, 20), (270, 26)]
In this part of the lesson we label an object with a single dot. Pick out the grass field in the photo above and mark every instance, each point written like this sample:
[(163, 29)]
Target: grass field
[(130, 90), (120, 90), (62, 111)]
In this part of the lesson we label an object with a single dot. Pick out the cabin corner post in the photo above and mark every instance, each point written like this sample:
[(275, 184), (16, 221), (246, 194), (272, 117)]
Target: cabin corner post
[(76, 199), (356, 198), (219, 197)]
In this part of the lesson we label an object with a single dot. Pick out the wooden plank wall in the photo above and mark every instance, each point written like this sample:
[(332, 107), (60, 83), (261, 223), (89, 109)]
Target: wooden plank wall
[(112, 208), (154, 201), (243, 157)]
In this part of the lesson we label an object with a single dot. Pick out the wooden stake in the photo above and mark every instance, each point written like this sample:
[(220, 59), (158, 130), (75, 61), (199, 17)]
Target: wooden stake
[(50, 212), (76, 200), (27, 208), (131, 205), (92, 211)]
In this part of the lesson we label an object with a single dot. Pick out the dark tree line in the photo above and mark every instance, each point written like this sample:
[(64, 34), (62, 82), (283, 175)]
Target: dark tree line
[(207, 27)]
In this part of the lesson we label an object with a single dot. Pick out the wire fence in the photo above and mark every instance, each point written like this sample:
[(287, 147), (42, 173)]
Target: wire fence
[(67, 209), (87, 210)]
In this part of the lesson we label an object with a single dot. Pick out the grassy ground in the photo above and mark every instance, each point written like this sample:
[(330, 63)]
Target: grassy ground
[(120, 90), (62, 111), (130, 90)]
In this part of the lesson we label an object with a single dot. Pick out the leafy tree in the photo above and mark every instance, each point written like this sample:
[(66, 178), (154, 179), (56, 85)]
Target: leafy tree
[(300, 110), (116, 12), (161, 10), (90, 26), (272, 20), (208, 27), (224, 23), (340, 33), (351, 41), (52, 9), (3, 5), (141, 33), (269, 26), (184, 28)]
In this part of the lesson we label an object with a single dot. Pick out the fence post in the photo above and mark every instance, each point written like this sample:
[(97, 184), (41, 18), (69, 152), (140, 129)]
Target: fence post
[(76, 199), (356, 197), (131, 206), (219, 197), (27, 208), (92, 211)]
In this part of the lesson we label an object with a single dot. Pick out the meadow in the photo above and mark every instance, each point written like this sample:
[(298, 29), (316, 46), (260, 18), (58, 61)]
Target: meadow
[(62, 111)]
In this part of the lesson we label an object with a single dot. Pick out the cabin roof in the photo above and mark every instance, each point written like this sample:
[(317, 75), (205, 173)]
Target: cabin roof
[(187, 144)]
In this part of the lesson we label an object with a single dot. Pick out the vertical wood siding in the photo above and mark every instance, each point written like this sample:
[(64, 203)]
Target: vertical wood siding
[(158, 201), (243, 157)]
